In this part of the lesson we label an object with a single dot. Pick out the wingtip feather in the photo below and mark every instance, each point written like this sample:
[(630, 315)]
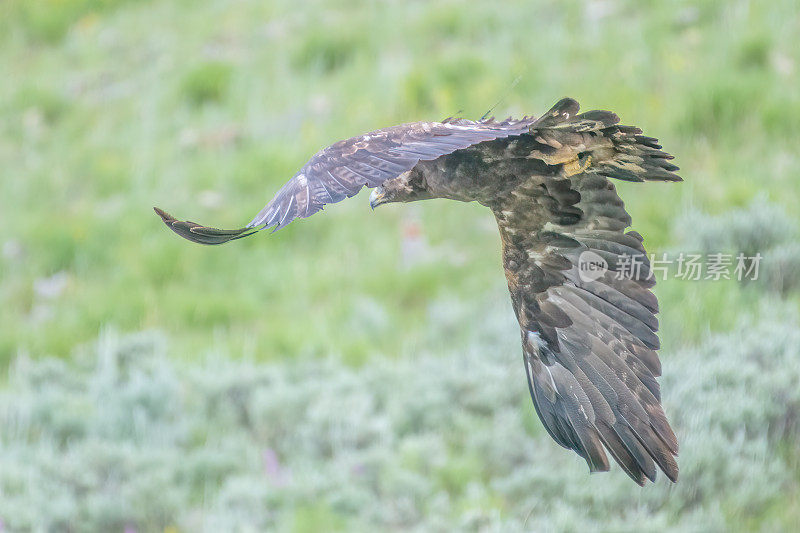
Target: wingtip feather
[(200, 234)]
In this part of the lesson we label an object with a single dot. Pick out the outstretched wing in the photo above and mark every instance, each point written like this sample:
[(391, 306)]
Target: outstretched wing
[(589, 341), (342, 169)]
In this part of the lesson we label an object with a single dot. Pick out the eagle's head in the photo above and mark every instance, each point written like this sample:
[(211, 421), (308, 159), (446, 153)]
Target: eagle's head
[(407, 187)]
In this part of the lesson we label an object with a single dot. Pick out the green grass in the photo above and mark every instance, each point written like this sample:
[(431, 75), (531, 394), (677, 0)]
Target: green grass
[(48, 21), (207, 111)]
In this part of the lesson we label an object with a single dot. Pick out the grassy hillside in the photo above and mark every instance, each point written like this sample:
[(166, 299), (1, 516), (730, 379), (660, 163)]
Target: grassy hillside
[(206, 108)]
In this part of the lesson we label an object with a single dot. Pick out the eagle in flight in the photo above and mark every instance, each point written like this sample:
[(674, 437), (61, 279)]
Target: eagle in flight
[(589, 341)]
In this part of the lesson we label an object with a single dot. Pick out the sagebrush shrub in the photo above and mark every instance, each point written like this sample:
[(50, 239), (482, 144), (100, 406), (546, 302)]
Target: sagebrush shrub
[(129, 437)]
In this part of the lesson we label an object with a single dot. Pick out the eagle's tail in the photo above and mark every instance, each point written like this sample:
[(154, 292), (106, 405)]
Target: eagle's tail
[(201, 234), (616, 151)]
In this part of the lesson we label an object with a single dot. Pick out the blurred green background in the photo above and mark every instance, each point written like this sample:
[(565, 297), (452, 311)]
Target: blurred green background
[(140, 370)]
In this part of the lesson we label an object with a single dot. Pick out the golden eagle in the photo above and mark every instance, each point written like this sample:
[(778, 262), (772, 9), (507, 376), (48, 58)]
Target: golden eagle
[(589, 342)]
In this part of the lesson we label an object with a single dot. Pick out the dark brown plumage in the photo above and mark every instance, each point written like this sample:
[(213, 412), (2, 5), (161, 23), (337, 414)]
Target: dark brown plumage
[(589, 344)]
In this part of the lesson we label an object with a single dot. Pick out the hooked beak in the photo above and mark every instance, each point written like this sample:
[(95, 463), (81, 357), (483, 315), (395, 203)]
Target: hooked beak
[(377, 197)]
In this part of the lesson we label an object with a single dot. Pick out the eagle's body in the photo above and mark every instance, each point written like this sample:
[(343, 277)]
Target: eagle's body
[(589, 344)]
